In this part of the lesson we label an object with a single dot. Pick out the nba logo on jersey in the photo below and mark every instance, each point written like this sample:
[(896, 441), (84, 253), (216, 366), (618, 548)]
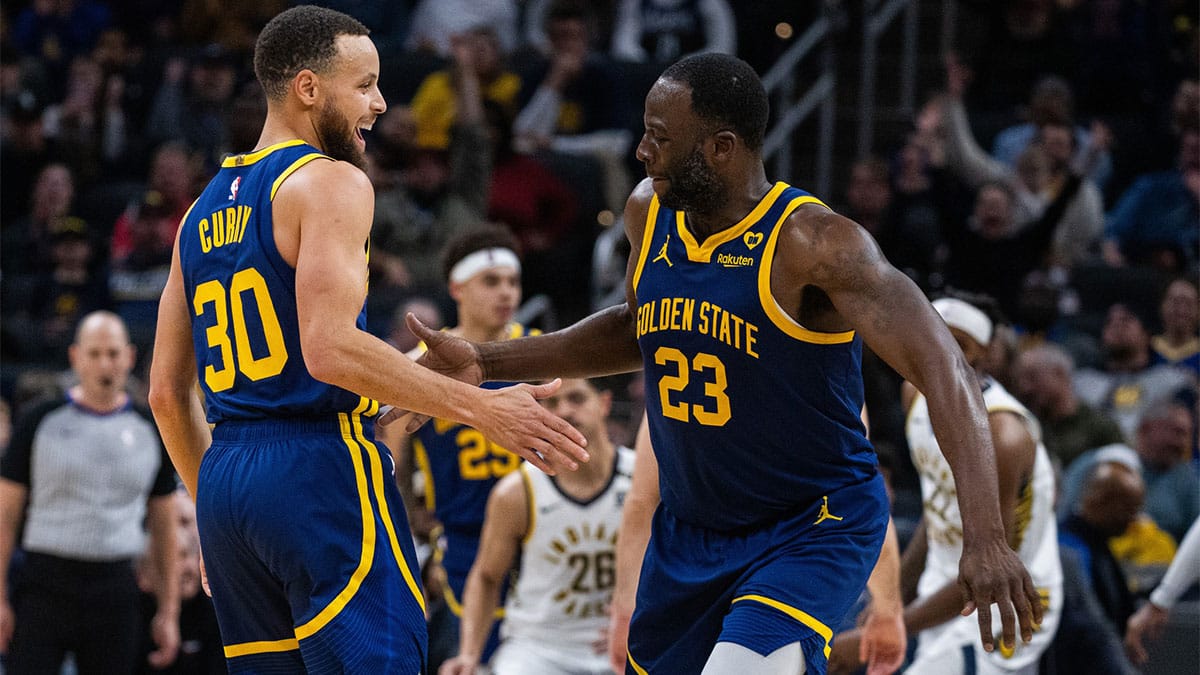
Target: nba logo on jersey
[(233, 188)]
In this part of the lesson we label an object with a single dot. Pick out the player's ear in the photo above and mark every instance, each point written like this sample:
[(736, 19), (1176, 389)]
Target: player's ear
[(306, 85), (723, 143)]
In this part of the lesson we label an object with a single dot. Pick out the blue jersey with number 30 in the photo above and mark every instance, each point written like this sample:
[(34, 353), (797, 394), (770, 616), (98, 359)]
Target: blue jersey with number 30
[(752, 416), (242, 295)]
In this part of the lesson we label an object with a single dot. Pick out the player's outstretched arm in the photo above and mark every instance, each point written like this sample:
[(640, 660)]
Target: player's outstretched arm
[(601, 344), (330, 205), (636, 514), (504, 526), (823, 249)]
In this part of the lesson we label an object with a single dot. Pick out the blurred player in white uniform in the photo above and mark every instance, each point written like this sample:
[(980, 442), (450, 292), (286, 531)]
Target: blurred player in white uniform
[(948, 643), (565, 529)]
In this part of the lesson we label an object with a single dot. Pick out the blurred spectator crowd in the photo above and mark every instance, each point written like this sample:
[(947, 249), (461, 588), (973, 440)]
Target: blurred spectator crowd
[(1054, 165)]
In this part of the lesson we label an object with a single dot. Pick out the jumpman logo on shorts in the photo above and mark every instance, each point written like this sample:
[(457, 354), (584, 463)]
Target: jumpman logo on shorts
[(662, 253), (824, 514)]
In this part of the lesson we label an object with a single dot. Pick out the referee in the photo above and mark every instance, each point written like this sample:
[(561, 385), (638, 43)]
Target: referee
[(83, 479)]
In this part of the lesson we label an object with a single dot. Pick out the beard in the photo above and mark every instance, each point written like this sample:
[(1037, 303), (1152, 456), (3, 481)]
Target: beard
[(338, 141), (694, 187)]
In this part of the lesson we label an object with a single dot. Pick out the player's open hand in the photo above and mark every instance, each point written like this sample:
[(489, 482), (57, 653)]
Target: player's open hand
[(514, 419), (991, 573)]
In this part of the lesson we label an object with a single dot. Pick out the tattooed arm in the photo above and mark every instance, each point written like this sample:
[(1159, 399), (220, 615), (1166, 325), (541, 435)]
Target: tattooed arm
[(818, 248)]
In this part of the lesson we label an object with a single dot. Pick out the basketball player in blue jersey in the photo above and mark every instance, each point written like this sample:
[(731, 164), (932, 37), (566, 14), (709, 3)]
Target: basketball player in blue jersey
[(460, 466), (308, 554), (747, 304)]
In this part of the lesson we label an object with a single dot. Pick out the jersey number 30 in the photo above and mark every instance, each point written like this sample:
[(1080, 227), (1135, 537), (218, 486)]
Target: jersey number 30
[(228, 308), (714, 390)]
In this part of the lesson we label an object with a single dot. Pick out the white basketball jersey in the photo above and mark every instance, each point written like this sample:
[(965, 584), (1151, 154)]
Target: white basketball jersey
[(1037, 531), (568, 561)]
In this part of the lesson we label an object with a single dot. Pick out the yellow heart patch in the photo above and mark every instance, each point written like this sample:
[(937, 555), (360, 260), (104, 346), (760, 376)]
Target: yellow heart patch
[(752, 239)]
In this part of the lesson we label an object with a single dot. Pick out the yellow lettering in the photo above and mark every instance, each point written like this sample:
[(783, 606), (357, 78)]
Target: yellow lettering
[(205, 240), (664, 313), (676, 312), (724, 337), (703, 327), (245, 219), (737, 331), (231, 225), (218, 235), (751, 339), (689, 307)]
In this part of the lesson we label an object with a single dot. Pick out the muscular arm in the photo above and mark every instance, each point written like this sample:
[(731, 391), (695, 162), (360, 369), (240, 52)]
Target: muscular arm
[(174, 399), (636, 515), (332, 204), (820, 248), (1015, 451), (504, 526), (602, 344)]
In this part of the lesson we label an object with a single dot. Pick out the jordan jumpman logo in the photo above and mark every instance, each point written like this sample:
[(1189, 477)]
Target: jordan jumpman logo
[(824, 513), (662, 253)]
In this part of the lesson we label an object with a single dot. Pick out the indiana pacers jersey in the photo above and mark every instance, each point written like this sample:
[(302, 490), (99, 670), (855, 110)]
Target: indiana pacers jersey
[(752, 415), (1037, 534), (242, 294), (567, 565)]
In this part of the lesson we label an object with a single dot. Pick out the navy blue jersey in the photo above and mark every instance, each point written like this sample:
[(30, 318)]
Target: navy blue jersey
[(243, 295), (752, 416)]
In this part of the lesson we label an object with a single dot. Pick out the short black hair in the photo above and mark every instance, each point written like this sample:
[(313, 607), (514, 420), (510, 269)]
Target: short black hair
[(727, 92), (299, 38), (488, 235)]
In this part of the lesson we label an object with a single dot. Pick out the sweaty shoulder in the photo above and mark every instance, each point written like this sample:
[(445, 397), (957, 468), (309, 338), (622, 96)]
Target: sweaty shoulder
[(825, 249), (321, 192), (320, 181)]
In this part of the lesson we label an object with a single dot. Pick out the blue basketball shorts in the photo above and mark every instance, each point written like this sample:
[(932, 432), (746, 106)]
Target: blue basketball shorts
[(789, 580), (307, 549)]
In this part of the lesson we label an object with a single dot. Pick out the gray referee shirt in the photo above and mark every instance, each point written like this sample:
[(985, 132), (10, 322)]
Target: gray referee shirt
[(89, 477)]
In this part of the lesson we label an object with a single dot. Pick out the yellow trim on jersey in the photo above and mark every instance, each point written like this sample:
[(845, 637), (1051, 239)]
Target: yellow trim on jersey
[(188, 212), (421, 457), (456, 607), (702, 253), (262, 647), (340, 601), (636, 668), (252, 157), (530, 501), (803, 617), (292, 168), (647, 237), (384, 512), (770, 305)]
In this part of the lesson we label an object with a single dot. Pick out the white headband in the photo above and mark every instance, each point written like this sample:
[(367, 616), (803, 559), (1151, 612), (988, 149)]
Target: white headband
[(483, 259), (965, 317)]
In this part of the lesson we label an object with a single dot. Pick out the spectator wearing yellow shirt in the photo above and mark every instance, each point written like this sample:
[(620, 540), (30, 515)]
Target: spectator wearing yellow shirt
[(476, 60)]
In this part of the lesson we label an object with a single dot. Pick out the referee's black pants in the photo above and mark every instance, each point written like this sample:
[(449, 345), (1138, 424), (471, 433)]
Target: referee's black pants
[(88, 608)]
